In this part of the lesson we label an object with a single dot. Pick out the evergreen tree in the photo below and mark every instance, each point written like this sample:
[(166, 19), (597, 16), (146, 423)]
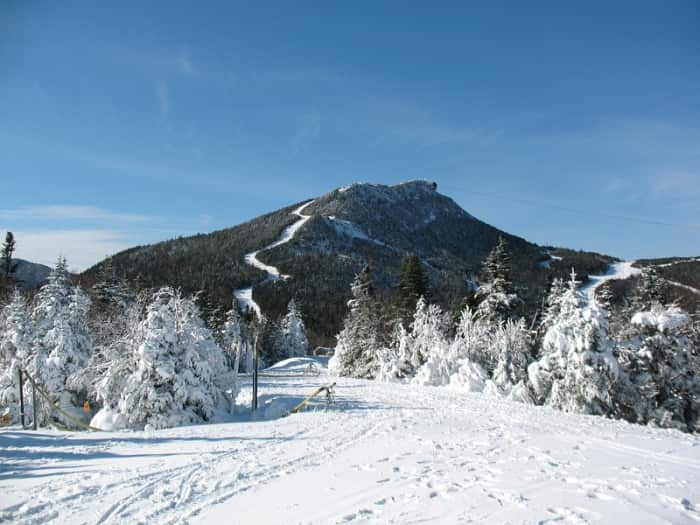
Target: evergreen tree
[(512, 345), (272, 345), (294, 332), (429, 348), (232, 337), (177, 373), (496, 268), (651, 289), (61, 347), (552, 304), (576, 371), (110, 290), (357, 348), (659, 364), (497, 300), (15, 341), (412, 286), (7, 268)]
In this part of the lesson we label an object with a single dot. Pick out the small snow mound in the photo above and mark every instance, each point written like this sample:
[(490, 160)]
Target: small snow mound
[(278, 407), (299, 364), (109, 419), (661, 319), (470, 377)]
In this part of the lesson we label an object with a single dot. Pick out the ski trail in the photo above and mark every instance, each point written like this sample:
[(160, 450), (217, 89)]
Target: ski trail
[(245, 295), (621, 270), (685, 286)]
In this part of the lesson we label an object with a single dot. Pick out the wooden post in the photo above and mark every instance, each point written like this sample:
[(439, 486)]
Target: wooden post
[(34, 405), (21, 399), (255, 374)]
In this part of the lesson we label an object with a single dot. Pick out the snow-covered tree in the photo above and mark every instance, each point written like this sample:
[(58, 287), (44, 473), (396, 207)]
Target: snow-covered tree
[(294, 332), (394, 360), (659, 366), (651, 289), (576, 370), (109, 289), (178, 374), (511, 343), (60, 349), (15, 341), (429, 349), (413, 284), (552, 304), (357, 347), (232, 337)]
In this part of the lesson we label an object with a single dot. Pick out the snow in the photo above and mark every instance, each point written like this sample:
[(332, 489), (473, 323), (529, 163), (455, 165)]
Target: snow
[(621, 270), (348, 229), (661, 318), (383, 453), (552, 258), (245, 295)]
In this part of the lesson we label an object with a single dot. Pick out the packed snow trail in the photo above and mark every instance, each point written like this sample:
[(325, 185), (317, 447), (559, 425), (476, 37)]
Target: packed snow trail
[(382, 454), (621, 270), (245, 295)]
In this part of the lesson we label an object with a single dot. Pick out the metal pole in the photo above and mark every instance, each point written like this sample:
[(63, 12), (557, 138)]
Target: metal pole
[(255, 374), (21, 399), (34, 405)]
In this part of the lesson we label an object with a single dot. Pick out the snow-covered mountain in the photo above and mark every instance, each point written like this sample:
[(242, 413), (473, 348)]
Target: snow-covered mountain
[(29, 274), (347, 228)]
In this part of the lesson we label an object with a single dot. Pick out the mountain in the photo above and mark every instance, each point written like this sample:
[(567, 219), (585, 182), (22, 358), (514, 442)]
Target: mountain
[(28, 274), (348, 227)]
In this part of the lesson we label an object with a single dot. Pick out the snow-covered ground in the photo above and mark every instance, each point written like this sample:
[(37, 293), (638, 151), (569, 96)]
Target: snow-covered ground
[(383, 453), (621, 270), (245, 295)]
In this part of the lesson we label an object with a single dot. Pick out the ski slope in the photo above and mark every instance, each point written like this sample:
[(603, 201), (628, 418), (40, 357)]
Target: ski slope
[(245, 295), (382, 453), (621, 270)]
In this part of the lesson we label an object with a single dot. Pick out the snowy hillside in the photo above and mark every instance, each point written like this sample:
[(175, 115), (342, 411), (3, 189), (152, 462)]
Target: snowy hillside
[(383, 453)]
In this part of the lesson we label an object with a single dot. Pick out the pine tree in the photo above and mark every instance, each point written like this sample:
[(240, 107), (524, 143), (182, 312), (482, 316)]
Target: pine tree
[(357, 349), (429, 347), (552, 305), (497, 300), (412, 286), (15, 341), (651, 289), (7, 268), (496, 268), (659, 364), (294, 332), (61, 347), (576, 371), (512, 345), (177, 373), (232, 338), (110, 290)]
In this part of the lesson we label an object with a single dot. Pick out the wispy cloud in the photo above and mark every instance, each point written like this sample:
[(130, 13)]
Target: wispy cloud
[(63, 212), (159, 63), (676, 183), (83, 248)]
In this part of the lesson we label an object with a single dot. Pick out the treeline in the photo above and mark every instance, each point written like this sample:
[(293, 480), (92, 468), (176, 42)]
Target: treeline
[(116, 358), (637, 360)]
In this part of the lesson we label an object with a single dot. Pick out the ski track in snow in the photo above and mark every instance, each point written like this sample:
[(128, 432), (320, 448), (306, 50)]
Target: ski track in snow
[(245, 295), (621, 270), (681, 285), (382, 454)]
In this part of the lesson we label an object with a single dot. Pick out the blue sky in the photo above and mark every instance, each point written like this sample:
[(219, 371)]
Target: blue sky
[(567, 123)]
